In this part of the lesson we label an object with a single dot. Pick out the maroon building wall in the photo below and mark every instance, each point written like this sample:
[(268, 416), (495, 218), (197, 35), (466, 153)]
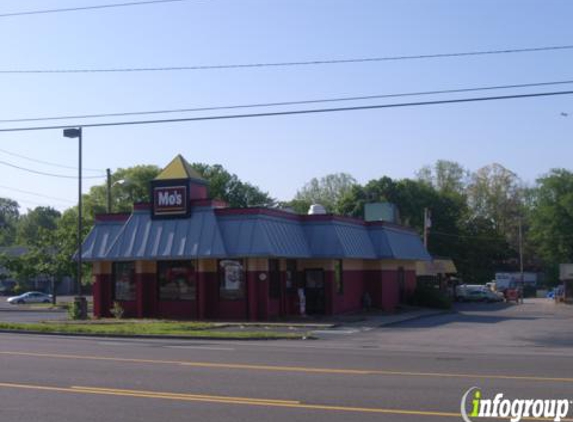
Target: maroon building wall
[(390, 290), (102, 292), (354, 282)]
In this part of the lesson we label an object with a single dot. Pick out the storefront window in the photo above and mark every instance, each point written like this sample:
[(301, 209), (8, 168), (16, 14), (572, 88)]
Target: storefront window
[(290, 274), (338, 277), (231, 279), (274, 279), (176, 280), (124, 281)]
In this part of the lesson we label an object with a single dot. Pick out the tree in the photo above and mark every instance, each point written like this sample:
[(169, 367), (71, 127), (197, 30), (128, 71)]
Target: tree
[(229, 188), (128, 186), (32, 222), (9, 214), (551, 218), (445, 176), (327, 191)]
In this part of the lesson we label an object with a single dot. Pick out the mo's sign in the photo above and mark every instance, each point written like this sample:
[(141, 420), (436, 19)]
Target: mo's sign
[(170, 201)]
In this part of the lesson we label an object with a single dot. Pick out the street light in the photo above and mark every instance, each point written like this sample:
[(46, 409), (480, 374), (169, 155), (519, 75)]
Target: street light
[(111, 185), (77, 133)]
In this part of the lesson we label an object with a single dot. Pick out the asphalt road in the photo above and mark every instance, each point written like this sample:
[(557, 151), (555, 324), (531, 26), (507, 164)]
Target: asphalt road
[(415, 371)]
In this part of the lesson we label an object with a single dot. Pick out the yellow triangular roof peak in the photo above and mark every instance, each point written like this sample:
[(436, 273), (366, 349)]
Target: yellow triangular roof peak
[(179, 168)]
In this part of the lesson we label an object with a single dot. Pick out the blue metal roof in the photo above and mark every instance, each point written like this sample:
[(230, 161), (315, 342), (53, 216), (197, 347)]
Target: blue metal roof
[(262, 235), (206, 234), (334, 239), (99, 240), (143, 238), (395, 243)]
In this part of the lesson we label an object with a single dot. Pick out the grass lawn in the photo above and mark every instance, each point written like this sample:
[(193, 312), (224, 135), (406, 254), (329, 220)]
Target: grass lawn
[(145, 328)]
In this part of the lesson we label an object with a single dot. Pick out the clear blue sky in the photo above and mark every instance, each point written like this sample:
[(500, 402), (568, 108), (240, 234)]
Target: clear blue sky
[(280, 154)]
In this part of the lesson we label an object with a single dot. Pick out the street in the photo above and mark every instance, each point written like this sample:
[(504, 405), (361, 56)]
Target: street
[(412, 371)]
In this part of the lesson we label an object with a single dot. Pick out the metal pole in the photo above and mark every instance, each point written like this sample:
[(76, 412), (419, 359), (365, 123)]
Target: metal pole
[(426, 228), (521, 255), (79, 286), (108, 174)]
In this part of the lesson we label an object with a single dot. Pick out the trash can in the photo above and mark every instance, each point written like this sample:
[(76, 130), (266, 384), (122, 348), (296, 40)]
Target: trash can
[(82, 305)]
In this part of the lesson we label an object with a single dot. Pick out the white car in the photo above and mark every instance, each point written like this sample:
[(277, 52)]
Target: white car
[(30, 297)]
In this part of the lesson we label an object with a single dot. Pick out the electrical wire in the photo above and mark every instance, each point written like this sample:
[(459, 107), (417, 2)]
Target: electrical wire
[(36, 194), (293, 112), (61, 176), (289, 64), (463, 236), (284, 103), (46, 162), (77, 9)]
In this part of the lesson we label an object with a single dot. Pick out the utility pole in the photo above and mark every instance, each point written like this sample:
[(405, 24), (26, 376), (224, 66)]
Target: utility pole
[(427, 225), (521, 255), (108, 178)]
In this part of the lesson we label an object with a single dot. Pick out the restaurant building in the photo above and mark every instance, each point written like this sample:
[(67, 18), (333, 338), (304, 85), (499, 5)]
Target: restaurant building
[(185, 255)]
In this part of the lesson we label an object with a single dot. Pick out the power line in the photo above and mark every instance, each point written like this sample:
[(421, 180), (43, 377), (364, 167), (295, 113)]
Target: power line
[(289, 64), (283, 103), (438, 233), (36, 194), (293, 112), (77, 9), (45, 162), (61, 176)]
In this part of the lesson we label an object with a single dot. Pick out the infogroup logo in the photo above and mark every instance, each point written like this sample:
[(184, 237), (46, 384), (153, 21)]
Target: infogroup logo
[(514, 410)]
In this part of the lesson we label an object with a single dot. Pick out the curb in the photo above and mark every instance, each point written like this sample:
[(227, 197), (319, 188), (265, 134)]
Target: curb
[(416, 317), (32, 310), (154, 337)]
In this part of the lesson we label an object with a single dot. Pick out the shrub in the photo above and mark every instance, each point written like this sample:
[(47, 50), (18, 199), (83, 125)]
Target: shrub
[(74, 311), (117, 310), (429, 296)]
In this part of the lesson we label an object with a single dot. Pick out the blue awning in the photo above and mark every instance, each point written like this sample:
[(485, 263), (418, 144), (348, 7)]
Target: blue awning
[(256, 233), (143, 238)]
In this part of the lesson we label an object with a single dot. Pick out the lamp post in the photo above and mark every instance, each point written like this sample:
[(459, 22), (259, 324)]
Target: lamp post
[(110, 185), (77, 133)]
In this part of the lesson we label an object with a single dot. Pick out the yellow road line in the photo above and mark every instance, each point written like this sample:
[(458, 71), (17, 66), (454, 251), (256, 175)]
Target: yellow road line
[(300, 369), (182, 395), (228, 400), (240, 401)]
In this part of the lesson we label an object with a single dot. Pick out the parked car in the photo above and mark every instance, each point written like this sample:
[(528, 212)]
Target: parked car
[(30, 297), (481, 295)]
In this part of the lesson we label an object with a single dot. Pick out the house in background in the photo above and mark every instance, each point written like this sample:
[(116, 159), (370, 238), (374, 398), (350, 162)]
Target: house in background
[(185, 255)]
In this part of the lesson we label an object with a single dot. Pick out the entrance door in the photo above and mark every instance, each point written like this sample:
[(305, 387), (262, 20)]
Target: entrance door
[(314, 291)]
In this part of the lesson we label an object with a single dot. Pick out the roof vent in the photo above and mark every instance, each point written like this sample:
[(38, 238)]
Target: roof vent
[(316, 209)]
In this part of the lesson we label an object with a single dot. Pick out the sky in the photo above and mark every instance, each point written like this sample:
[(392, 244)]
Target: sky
[(280, 154)]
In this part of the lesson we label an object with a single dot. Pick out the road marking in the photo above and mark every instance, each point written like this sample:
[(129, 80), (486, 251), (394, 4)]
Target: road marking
[(335, 331), (245, 401), (228, 400), (301, 369), (224, 349)]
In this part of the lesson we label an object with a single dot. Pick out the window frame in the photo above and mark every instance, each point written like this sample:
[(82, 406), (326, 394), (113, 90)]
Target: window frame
[(235, 294), (169, 264), (339, 276), (115, 273)]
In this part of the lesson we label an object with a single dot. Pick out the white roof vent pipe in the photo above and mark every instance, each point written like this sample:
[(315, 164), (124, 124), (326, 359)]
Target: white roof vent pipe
[(316, 209)]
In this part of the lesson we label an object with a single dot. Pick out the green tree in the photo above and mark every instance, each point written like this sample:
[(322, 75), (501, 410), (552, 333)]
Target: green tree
[(128, 186), (229, 188), (9, 214), (327, 191), (551, 219), (33, 221), (445, 176)]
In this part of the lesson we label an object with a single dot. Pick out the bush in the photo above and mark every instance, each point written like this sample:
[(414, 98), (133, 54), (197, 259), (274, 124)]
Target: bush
[(74, 311), (430, 297), (117, 310)]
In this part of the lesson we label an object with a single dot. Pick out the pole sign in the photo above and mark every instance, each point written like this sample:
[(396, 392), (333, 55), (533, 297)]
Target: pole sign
[(170, 201)]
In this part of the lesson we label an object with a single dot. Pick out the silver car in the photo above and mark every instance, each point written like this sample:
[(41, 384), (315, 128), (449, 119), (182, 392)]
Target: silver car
[(30, 297)]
